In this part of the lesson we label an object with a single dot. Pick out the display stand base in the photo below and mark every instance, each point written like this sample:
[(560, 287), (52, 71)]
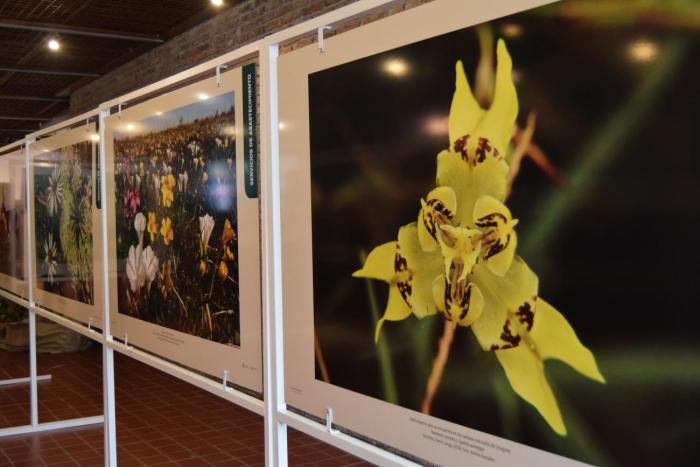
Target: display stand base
[(72, 423), (10, 382)]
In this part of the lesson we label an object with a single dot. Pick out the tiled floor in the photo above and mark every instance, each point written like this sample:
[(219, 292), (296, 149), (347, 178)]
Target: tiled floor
[(160, 420)]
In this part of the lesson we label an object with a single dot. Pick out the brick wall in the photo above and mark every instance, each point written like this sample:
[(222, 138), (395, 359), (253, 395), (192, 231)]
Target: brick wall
[(232, 28)]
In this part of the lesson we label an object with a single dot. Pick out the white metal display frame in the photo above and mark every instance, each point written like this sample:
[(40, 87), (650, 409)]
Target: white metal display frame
[(219, 389), (277, 416), (33, 310)]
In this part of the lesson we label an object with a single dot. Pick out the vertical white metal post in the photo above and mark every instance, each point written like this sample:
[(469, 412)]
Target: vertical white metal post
[(33, 389), (273, 357), (108, 381), (29, 275)]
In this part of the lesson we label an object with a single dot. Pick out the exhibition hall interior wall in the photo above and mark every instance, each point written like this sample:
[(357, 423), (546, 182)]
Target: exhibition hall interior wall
[(435, 233)]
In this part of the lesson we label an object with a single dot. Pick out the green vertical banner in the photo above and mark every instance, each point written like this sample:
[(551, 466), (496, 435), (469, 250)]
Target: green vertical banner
[(98, 174), (250, 136)]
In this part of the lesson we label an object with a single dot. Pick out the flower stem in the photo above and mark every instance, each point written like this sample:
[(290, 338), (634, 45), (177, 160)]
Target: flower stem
[(321, 360), (438, 366)]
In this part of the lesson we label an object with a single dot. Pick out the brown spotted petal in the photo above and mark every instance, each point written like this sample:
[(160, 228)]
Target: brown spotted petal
[(386, 263), (417, 270), (500, 239), (509, 304), (437, 209), (460, 302), (470, 182)]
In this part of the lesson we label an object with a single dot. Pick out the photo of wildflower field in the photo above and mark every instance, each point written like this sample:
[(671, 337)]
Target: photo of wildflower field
[(504, 228), (63, 184), (176, 220)]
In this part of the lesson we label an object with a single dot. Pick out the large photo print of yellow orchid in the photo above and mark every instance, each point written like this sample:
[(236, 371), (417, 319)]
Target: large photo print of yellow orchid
[(176, 219), (486, 220)]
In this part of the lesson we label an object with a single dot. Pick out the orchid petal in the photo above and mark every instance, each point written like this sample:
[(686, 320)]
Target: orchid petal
[(525, 373), (497, 124), (465, 111), (554, 338), (504, 297), (438, 208), (379, 263), (396, 310), (470, 182), (462, 303), (422, 267), (495, 218)]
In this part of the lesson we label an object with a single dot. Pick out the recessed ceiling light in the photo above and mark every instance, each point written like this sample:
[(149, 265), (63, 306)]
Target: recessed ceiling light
[(95, 137), (53, 44), (202, 96), (159, 113), (130, 127), (217, 2), (45, 150)]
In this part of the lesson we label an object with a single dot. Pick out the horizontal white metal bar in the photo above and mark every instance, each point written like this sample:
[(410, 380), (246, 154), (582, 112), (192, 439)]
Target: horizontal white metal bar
[(10, 382), (72, 423), (342, 441), (213, 387), (242, 52), (341, 14), (67, 323), (12, 146), (63, 124), (14, 298)]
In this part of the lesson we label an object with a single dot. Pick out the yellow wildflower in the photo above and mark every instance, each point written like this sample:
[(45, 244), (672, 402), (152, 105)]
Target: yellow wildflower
[(228, 253), (167, 183), (228, 234), (223, 270), (166, 230), (152, 225)]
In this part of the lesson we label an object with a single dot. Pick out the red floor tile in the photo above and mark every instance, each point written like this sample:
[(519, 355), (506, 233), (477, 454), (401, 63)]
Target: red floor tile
[(161, 421)]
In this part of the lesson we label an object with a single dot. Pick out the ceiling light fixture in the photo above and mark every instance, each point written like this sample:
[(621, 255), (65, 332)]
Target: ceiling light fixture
[(217, 2), (202, 96), (53, 44)]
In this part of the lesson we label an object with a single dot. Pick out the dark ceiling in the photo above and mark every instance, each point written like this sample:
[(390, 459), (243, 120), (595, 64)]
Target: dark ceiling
[(95, 36)]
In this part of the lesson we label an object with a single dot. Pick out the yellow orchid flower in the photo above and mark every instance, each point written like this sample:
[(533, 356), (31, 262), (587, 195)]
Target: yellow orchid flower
[(459, 258)]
